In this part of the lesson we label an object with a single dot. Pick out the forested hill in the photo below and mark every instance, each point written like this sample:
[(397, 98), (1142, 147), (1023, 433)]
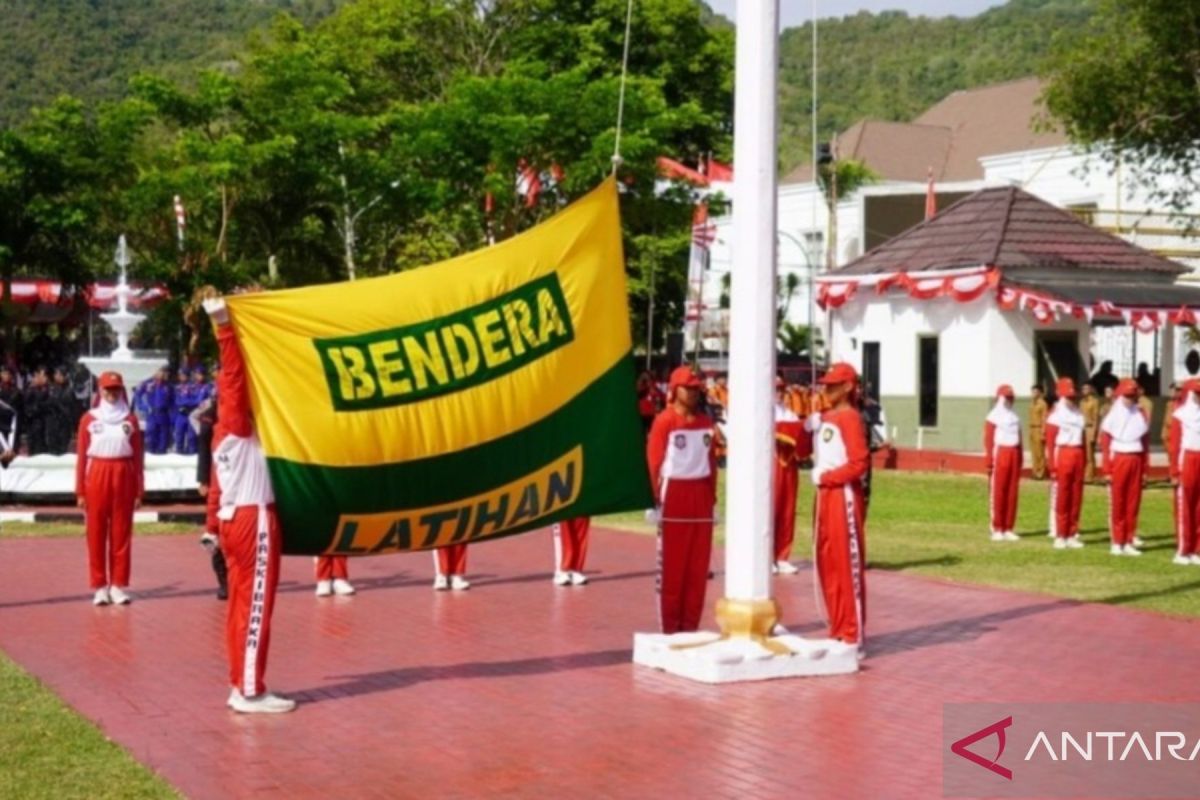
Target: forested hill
[(89, 48), (892, 66), (888, 66)]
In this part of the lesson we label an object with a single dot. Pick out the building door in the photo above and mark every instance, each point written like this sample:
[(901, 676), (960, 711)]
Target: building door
[(927, 381), (870, 366), (1057, 356)]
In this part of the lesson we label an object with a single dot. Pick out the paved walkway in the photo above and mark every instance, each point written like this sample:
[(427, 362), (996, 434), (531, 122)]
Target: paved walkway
[(518, 688)]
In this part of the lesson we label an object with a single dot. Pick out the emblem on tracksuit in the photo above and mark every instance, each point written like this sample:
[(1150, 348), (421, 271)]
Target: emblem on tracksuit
[(680, 441), (126, 428), (707, 439), (827, 435)]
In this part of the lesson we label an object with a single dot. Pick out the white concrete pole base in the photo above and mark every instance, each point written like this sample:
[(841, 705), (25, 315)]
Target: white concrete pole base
[(709, 658)]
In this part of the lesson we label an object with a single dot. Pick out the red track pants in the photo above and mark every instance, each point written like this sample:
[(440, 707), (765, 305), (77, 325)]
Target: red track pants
[(1187, 505), (1066, 491), (452, 560), (840, 558), (1002, 488), (786, 486), (1125, 496), (330, 567), (109, 494), (571, 543), (250, 542), (684, 550)]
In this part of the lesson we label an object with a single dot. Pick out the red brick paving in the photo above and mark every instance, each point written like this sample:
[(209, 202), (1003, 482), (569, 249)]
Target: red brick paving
[(518, 688)]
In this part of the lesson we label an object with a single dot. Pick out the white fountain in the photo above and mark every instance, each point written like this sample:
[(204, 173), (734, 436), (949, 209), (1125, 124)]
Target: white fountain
[(48, 476), (133, 368)]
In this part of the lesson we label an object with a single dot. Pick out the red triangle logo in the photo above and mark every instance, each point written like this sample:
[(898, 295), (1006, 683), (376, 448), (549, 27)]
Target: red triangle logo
[(959, 748)]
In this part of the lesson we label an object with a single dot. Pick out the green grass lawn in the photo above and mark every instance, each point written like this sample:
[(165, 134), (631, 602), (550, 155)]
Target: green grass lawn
[(48, 751), (936, 524), (15, 530)]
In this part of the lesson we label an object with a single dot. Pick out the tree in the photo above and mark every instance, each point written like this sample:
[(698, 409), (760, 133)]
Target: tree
[(793, 340), (1128, 84), (840, 178)]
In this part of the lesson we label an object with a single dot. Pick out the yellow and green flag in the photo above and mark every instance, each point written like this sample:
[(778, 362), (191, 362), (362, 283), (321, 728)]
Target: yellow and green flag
[(474, 398)]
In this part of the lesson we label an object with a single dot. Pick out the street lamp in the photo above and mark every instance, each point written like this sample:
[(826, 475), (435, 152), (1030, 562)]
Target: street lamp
[(350, 217), (812, 359)]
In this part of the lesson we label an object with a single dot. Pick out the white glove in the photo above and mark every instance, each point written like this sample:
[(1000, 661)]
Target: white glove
[(209, 541), (817, 474), (653, 515), (216, 310)]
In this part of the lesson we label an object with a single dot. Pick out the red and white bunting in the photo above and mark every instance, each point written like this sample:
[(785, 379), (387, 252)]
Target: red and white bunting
[(967, 285)]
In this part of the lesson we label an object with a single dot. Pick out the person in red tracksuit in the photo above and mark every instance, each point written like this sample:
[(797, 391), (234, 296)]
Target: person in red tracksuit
[(839, 543), (450, 565), (683, 471), (1065, 458), (1004, 455), (1183, 453), (333, 576), (109, 473), (241, 506), (1125, 443), (570, 550), (792, 445)]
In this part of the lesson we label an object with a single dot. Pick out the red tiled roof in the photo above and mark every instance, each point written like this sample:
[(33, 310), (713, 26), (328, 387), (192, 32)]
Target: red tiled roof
[(950, 137), (1011, 229)]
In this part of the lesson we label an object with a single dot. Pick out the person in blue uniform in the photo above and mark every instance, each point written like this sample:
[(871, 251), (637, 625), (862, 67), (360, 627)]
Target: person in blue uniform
[(186, 400), (155, 399)]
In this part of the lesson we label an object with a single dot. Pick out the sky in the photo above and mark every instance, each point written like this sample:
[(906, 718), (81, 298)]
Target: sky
[(797, 12)]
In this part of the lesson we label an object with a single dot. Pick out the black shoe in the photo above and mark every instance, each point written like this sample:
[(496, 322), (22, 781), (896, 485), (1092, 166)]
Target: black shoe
[(222, 593)]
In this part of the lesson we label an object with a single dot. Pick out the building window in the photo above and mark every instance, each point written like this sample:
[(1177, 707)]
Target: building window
[(927, 380), (870, 365)]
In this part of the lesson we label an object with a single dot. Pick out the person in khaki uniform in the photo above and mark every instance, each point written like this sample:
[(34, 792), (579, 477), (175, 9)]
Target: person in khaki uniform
[(1090, 406), (1038, 411), (1146, 404), (1107, 401), (1176, 400)]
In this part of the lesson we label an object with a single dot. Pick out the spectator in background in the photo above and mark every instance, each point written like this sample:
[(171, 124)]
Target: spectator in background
[(1104, 378), (36, 402), (62, 413)]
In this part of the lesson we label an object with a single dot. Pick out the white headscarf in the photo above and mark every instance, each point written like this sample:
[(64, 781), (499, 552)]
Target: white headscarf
[(1188, 412), (1125, 422), (111, 413), (1002, 416)]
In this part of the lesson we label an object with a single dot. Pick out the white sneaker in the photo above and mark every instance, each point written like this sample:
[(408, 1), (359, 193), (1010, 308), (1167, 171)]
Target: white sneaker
[(838, 647), (441, 583), (266, 703), (1130, 550), (997, 536), (578, 579), (774, 570), (101, 598), (1137, 542), (1181, 560), (1075, 542), (786, 568), (1195, 559), (324, 588), (459, 584), (119, 596), (1116, 550), (1009, 536), (1060, 543), (343, 587), (562, 579)]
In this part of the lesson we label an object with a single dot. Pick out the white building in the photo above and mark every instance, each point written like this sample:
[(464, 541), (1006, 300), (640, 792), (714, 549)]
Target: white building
[(970, 140)]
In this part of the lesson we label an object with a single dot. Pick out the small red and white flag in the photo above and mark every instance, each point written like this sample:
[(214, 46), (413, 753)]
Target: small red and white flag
[(529, 183), (930, 198), (180, 220)]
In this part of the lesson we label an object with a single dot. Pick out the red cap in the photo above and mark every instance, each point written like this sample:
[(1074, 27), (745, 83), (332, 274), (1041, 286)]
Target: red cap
[(1065, 387), (1126, 387), (1005, 391), (684, 376), (110, 380), (840, 372)]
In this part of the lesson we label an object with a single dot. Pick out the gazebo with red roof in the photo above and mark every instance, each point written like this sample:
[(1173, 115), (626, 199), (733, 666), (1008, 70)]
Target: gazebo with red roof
[(1001, 287)]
